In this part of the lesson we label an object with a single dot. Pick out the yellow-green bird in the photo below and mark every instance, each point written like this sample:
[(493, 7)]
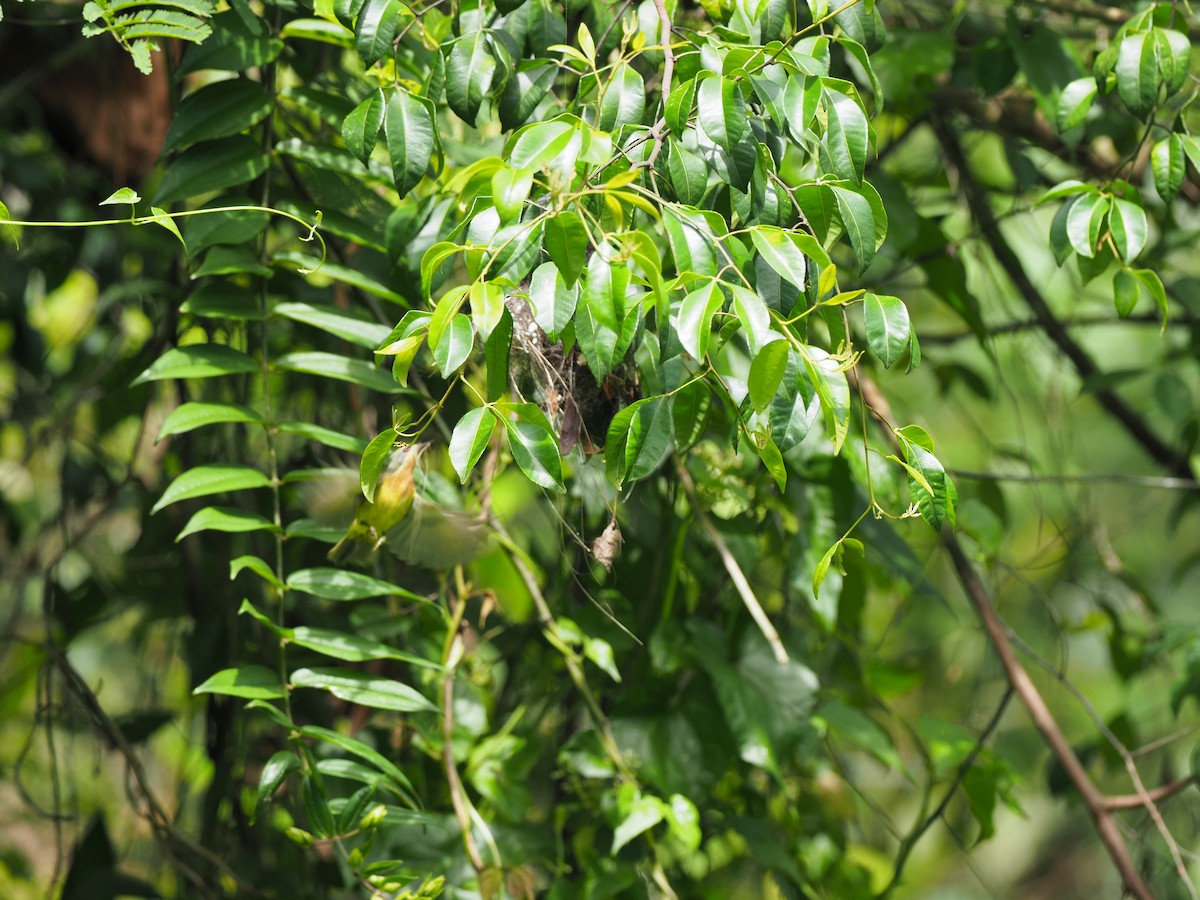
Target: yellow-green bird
[(394, 495), (412, 527)]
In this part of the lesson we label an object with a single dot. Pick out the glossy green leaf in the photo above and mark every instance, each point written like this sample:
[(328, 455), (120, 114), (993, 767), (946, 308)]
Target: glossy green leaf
[(689, 414), (1075, 102), (470, 438), (233, 47), (1125, 292), (212, 478), (248, 682), (644, 815), (624, 99), (688, 173), (350, 647), (722, 112), (601, 313), (567, 243), (1154, 285), (190, 416), (118, 197), (409, 132), (680, 106), (374, 457), (693, 246), (938, 505), (256, 565), (340, 368), (1174, 52), (217, 110), (510, 190), (1127, 222), (846, 136), (888, 327), (858, 220), (360, 131), (277, 768), (1084, 222), (754, 317), (781, 251), (766, 374), (362, 688), (552, 301), (1167, 163), (329, 437), (1137, 73), (210, 167), (378, 22), (455, 347), (539, 144), (638, 441), (334, 321), (693, 322), (359, 749), (340, 584), (227, 519), (533, 446), (469, 70)]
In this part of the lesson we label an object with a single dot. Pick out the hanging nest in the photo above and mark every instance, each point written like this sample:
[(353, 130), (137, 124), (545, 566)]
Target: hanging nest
[(562, 385)]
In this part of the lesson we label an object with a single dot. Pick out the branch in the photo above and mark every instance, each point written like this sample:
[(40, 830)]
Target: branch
[(735, 571), (1023, 685), (1112, 403), (1154, 795)]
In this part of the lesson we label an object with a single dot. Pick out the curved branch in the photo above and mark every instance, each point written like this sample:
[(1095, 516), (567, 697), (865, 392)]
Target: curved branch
[(1112, 403), (1154, 795)]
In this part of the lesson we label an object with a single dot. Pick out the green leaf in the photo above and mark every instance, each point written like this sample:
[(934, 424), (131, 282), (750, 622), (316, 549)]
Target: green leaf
[(233, 47), (680, 105), (1167, 162), (409, 132), (190, 416), (601, 314), (1074, 102), (510, 190), (1068, 188), (638, 441), (209, 479), (1155, 286), (378, 22), (350, 647), (487, 306), (690, 406), (537, 145), (362, 688), (688, 173), (469, 70), (334, 321), (360, 131), (939, 506), (533, 446), (227, 519), (339, 584), (338, 440), (566, 241), (858, 220), (256, 565), (684, 821), (693, 245), (772, 460), (359, 749), (1084, 222), (782, 252), (846, 136), (1137, 73), (277, 768), (340, 368), (766, 374), (373, 460), (645, 813), (693, 322), (1174, 57), (722, 112), (210, 167), (471, 437), (1125, 292), (888, 327), (624, 99), (217, 110), (117, 197), (1127, 222), (248, 682), (754, 317), (552, 301), (431, 261), (454, 349), (198, 361)]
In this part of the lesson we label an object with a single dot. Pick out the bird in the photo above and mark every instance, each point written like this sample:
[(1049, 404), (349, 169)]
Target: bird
[(410, 524), (394, 494)]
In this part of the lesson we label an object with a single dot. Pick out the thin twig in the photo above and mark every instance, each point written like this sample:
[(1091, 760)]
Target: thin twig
[(735, 571), (1112, 403), (1138, 801), (1024, 687), (1141, 481)]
